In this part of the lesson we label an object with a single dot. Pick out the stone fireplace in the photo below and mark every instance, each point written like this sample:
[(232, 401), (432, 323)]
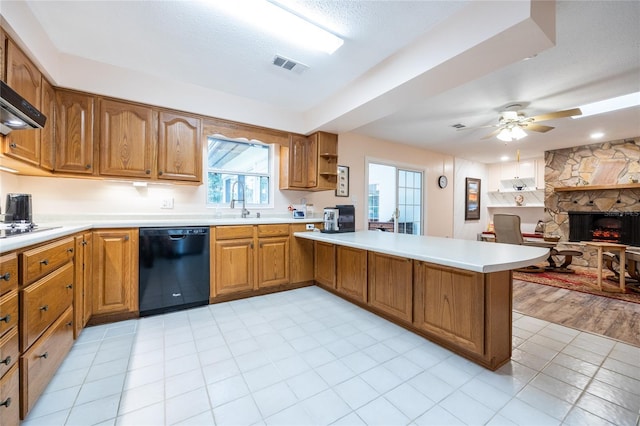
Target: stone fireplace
[(593, 186)]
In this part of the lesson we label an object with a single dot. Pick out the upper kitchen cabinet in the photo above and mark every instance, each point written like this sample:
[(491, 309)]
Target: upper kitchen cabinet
[(47, 134), (179, 147), (3, 44), (310, 163), (74, 133), (25, 78), (128, 139)]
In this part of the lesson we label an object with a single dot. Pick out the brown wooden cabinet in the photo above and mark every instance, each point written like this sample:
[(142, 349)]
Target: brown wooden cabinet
[(449, 305), (233, 267), (128, 139), (3, 54), (179, 147), (9, 397), (390, 285), (351, 273), (82, 301), (74, 135), (324, 269), (25, 78), (47, 134), (301, 255), (273, 255), (115, 273), (310, 163)]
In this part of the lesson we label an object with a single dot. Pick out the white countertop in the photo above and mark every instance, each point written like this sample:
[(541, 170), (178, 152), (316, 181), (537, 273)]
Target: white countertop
[(62, 229), (477, 256)]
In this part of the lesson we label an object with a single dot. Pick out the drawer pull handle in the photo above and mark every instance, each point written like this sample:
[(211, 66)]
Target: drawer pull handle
[(6, 318), (6, 403), (70, 323), (69, 286), (6, 276), (44, 262), (6, 361), (44, 355), (70, 250), (44, 308)]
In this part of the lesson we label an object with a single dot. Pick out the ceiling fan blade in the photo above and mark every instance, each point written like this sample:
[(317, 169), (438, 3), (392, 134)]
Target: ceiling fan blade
[(477, 127), (554, 115), (492, 134), (537, 127)]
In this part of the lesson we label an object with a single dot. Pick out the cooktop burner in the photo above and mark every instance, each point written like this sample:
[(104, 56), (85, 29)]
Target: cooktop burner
[(13, 229)]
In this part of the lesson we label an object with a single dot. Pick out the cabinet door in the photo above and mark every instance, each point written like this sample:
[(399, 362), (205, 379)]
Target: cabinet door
[(298, 162), (82, 286), (391, 285), (273, 261), (25, 78), (115, 272), (74, 133), (128, 134), (325, 264), (47, 134), (351, 273), (179, 147), (3, 44), (301, 254), (449, 305), (233, 266)]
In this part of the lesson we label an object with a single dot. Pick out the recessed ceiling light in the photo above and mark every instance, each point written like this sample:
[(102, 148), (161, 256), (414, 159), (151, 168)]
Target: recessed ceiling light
[(284, 24), (596, 135), (504, 158), (613, 104)]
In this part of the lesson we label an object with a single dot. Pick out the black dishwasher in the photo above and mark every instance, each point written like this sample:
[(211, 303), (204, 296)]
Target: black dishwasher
[(174, 269)]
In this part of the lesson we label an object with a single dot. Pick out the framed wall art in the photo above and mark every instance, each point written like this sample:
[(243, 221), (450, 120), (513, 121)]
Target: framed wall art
[(472, 199), (342, 186)]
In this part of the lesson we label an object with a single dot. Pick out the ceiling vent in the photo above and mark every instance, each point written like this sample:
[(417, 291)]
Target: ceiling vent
[(289, 64), (458, 126)]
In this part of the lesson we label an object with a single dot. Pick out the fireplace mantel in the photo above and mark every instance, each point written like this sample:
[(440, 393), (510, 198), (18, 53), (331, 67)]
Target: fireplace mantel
[(597, 187)]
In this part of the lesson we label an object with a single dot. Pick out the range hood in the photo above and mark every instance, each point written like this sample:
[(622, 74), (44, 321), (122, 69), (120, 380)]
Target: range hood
[(16, 113)]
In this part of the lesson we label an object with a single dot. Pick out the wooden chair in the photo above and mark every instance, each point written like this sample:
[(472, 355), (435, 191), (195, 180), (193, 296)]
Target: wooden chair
[(507, 230)]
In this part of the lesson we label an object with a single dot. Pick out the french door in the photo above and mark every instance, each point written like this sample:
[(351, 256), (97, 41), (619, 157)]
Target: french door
[(395, 199)]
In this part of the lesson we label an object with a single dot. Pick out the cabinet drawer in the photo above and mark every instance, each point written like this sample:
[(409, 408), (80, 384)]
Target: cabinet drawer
[(233, 232), (8, 272), (42, 260), (42, 303), (281, 230), (41, 361), (8, 311), (10, 398), (9, 350)]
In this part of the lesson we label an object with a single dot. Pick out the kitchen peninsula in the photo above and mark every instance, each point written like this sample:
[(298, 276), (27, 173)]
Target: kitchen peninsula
[(456, 293)]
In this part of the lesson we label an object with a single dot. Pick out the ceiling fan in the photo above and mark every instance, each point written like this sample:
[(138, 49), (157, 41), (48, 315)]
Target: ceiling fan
[(513, 123)]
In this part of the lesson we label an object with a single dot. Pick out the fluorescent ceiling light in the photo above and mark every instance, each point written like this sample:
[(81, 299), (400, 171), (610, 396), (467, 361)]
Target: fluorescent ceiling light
[(613, 104), (284, 24)]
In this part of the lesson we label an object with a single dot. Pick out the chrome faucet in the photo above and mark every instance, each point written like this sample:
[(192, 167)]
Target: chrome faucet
[(245, 212)]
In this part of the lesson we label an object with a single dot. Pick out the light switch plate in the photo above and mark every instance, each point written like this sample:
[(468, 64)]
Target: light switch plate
[(167, 203), (310, 226)]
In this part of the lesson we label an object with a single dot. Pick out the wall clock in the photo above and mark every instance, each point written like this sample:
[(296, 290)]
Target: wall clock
[(442, 181)]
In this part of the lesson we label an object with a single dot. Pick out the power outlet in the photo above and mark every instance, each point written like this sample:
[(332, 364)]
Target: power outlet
[(310, 226), (167, 203)]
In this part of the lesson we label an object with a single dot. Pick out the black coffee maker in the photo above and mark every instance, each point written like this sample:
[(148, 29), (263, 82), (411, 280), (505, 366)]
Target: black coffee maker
[(18, 208)]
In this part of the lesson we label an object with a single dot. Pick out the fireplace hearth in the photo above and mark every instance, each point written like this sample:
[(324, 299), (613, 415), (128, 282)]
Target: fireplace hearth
[(611, 227)]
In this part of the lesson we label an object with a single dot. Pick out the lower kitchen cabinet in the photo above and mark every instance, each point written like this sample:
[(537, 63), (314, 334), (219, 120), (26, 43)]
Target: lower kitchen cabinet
[(449, 305), (301, 256), (10, 397), (232, 258), (390, 280), (82, 299), (351, 273), (115, 273), (325, 264), (273, 255)]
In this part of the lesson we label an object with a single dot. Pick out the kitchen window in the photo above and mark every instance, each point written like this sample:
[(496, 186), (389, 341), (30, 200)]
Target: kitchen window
[(233, 166)]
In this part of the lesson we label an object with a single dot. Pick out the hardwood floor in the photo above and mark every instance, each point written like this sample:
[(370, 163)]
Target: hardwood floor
[(596, 314)]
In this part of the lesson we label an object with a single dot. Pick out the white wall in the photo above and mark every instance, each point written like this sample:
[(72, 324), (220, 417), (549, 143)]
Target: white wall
[(468, 230)]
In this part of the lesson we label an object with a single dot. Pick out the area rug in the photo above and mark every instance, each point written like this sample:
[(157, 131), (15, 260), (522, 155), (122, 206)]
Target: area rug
[(583, 281)]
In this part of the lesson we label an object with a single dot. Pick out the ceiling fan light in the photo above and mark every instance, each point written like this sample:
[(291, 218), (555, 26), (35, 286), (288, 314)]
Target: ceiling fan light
[(517, 133), (505, 135)]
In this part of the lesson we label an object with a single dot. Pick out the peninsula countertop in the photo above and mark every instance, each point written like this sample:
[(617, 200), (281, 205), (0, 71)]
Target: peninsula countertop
[(471, 255)]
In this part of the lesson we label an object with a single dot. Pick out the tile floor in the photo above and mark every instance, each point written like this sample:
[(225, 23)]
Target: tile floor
[(307, 357)]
